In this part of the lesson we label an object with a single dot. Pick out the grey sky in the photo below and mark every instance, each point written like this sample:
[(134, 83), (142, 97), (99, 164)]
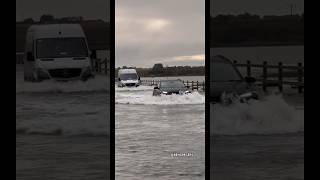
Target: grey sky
[(167, 31), (89, 9), (261, 7)]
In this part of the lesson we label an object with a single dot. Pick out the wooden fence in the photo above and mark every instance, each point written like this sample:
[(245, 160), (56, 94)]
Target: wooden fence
[(101, 66), (193, 85), (275, 75)]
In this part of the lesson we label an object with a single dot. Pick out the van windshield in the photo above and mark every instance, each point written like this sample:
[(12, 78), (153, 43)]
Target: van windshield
[(129, 76), (61, 47)]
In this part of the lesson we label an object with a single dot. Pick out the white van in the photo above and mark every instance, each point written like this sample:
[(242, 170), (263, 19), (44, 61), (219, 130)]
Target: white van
[(128, 78), (56, 51)]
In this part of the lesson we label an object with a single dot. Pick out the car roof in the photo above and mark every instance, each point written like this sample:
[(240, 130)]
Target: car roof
[(220, 59)]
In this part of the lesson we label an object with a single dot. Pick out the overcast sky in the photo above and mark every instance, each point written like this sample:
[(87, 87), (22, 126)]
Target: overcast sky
[(155, 31), (89, 9), (163, 31)]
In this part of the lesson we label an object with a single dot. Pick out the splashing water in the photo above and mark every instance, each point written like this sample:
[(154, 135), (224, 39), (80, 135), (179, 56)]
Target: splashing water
[(99, 84), (272, 115), (133, 89), (143, 96)]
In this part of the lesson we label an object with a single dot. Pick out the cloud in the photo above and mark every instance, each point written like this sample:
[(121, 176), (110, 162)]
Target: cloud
[(154, 25), (149, 32), (198, 57)]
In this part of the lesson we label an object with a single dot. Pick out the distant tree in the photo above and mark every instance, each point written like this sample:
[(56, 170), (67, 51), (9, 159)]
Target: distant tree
[(46, 18), (28, 20), (72, 19), (157, 67), (80, 18)]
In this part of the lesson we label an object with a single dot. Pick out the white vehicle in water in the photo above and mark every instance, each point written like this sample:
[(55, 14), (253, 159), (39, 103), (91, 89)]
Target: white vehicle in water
[(128, 78), (56, 51)]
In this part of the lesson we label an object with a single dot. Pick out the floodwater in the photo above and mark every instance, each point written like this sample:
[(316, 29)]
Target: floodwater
[(62, 129), (159, 137), (260, 140)]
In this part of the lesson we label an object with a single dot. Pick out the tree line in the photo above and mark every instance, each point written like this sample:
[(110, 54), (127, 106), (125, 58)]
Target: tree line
[(158, 70), (249, 29), (49, 18)]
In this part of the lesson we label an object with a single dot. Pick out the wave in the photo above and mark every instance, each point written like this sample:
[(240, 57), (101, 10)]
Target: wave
[(65, 127), (145, 97), (133, 89), (63, 119), (272, 115), (99, 84)]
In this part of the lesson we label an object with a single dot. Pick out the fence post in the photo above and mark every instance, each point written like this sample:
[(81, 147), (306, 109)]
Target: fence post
[(192, 85), (248, 68), (96, 65), (100, 65), (105, 66), (197, 85), (264, 76), (280, 76), (300, 77)]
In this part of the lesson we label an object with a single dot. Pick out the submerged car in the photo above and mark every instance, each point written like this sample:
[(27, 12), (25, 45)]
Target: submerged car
[(227, 83), (169, 87)]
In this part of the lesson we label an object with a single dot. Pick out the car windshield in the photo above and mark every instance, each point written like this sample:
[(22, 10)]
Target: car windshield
[(223, 72), (129, 76), (172, 84), (61, 47)]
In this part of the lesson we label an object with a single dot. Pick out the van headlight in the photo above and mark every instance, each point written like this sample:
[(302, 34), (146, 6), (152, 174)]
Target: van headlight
[(86, 71), (249, 95), (164, 92)]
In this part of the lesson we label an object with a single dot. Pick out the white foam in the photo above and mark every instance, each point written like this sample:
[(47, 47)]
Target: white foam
[(139, 88), (272, 115), (99, 83), (143, 96)]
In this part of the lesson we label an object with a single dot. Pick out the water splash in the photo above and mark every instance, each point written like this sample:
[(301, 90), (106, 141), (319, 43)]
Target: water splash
[(99, 84), (272, 115), (143, 96)]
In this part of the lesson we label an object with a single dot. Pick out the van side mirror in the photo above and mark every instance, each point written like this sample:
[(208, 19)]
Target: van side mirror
[(250, 80), (30, 56), (138, 77), (119, 79)]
